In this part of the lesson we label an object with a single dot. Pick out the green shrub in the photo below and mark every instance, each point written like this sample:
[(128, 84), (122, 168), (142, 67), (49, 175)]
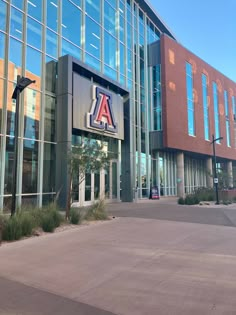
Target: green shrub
[(191, 199), (75, 216), (53, 210), (204, 194), (47, 222), (234, 199), (12, 229), (96, 211), (181, 201), (26, 222)]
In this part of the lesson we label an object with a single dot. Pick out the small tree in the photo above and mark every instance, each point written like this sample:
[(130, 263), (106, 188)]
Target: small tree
[(85, 157)]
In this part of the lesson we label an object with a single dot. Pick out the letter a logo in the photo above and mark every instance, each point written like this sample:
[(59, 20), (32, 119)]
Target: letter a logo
[(101, 115)]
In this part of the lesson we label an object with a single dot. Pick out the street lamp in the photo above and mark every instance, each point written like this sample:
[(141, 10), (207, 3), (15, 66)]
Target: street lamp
[(215, 174), (21, 84)]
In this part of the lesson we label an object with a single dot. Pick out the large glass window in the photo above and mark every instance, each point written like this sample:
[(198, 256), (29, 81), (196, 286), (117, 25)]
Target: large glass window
[(9, 159), (15, 59), (92, 37), (216, 111), (11, 109), (71, 22), (68, 48), (92, 8), (2, 54), (227, 124), (49, 119), (157, 106), (190, 101), (52, 9), (34, 33), (1, 101), (51, 43), (16, 23), (35, 9), (110, 50), (33, 61), (49, 168), (109, 19), (32, 113), (3, 15), (30, 166), (205, 107)]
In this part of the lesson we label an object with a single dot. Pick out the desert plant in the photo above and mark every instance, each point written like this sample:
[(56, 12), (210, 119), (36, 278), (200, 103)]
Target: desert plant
[(181, 201), (12, 229), (26, 222), (96, 211), (191, 199), (75, 216), (48, 223)]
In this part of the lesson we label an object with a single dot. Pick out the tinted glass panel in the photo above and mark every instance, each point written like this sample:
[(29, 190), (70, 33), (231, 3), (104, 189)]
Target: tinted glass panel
[(49, 167), (35, 9), (1, 101), (49, 119), (51, 43), (18, 3), (33, 61), (92, 37), (92, 8), (110, 50), (2, 54), (31, 113), (71, 27), (9, 159), (68, 48), (3, 14), (93, 62), (52, 10), (34, 33), (16, 24), (15, 64), (30, 166), (109, 19)]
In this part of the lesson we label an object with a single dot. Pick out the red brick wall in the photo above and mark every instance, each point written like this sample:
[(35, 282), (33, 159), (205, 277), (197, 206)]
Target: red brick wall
[(175, 120)]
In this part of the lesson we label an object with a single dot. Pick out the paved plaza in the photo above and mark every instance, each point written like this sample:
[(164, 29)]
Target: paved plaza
[(151, 259)]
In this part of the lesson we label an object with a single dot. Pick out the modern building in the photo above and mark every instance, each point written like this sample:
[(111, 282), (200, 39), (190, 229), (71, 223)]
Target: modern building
[(109, 70)]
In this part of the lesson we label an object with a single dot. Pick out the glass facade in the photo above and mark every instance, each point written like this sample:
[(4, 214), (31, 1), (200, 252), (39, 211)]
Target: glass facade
[(216, 111), (112, 37), (227, 122), (205, 107), (190, 100)]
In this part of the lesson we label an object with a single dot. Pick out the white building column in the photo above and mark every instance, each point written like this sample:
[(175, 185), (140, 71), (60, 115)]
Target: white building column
[(209, 177), (180, 174), (230, 174)]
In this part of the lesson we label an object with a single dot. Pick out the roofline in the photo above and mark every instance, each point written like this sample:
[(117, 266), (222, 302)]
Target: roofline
[(154, 16)]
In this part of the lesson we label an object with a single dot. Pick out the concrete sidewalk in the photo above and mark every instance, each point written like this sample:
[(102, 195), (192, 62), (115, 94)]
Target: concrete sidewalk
[(127, 266)]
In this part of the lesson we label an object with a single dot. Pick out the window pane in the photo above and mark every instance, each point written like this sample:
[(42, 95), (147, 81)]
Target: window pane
[(2, 54), (110, 72), (1, 101), (68, 48), (16, 26), (49, 119), (18, 3), (51, 72), (110, 50), (15, 64), (71, 27), (109, 19), (92, 38), (51, 43), (11, 108), (9, 159), (31, 113), (49, 168), (52, 9), (92, 8), (93, 62), (33, 61), (34, 33), (35, 9), (3, 14), (122, 59), (30, 166)]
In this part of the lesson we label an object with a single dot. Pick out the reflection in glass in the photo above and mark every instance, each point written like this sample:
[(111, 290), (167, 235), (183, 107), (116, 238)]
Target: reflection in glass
[(2, 54), (1, 101), (33, 61), (29, 201), (51, 71), (9, 159), (114, 180), (96, 185), (110, 50), (15, 59), (110, 72), (109, 19), (68, 48), (52, 9), (18, 3), (93, 62), (49, 168), (51, 43), (34, 33), (92, 8), (31, 113), (49, 119), (30, 166), (107, 182), (3, 8), (11, 108), (35, 9), (93, 37), (88, 187), (71, 27), (16, 24)]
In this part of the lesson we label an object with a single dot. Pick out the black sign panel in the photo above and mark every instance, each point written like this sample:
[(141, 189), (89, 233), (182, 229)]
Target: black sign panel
[(154, 192)]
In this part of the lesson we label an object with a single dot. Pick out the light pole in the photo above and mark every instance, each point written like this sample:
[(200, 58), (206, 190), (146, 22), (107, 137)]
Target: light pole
[(21, 84), (215, 173)]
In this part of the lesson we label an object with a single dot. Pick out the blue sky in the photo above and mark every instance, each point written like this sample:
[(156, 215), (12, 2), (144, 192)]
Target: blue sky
[(205, 27)]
